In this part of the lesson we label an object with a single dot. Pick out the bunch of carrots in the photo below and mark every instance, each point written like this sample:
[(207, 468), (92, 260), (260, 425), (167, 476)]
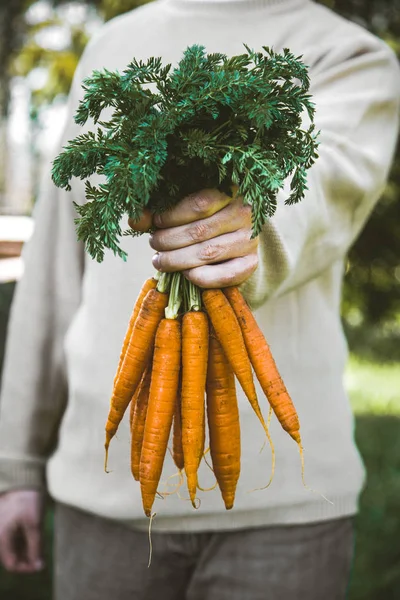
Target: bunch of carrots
[(213, 121), (179, 359)]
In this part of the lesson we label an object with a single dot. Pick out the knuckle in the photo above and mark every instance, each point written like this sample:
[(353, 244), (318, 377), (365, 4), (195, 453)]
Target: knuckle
[(200, 203), (210, 252), (249, 244), (198, 232)]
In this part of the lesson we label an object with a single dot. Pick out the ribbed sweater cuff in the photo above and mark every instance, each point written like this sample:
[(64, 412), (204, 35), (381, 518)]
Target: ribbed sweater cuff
[(22, 473)]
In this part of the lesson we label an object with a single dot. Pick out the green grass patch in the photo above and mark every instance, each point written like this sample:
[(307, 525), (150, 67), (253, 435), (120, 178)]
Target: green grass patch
[(374, 388)]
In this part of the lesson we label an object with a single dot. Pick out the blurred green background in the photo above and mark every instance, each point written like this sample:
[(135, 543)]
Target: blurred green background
[(40, 44)]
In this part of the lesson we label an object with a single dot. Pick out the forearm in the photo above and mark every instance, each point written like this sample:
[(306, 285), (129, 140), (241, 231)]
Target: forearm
[(34, 387), (358, 116)]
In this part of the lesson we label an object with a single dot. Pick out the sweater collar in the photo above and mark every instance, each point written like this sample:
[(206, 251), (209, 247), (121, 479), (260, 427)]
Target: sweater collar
[(236, 6)]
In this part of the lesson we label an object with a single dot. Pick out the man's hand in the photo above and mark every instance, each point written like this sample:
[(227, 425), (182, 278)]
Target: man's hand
[(207, 236), (21, 531)]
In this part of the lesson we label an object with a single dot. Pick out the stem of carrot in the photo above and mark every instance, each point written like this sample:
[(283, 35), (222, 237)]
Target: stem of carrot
[(164, 282), (194, 297), (175, 297), (185, 294)]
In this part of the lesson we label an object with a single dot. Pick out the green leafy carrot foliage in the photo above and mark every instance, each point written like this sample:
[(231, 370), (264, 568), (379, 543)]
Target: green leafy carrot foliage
[(212, 121)]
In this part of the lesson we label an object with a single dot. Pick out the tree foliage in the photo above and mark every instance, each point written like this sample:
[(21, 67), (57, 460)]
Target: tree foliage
[(372, 283)]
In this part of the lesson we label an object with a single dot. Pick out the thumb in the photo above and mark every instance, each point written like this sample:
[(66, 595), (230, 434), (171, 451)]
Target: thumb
[(33, 538), (8, 553), (144, 223)]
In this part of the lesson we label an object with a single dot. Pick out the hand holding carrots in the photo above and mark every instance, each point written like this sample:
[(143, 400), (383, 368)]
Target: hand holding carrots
[(207, 236)]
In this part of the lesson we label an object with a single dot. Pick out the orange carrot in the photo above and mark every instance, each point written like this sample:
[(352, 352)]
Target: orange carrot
[(194, 373), (264, 365), (223, 422), (161, 407), (137, 355), (149, 284), (177, 449), (134, 400), (138, 421), (133, 404), (230, 337)]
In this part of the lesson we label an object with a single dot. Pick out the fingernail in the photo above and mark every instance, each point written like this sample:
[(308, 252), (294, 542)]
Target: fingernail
[(39, 565), (156, 261)]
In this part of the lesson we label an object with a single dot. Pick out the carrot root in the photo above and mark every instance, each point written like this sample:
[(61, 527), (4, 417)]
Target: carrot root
[(264, 364), (195, 335), (161, 407)]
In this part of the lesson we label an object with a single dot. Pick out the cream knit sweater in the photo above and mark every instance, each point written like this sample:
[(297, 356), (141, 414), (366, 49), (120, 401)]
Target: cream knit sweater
[(70, 313)]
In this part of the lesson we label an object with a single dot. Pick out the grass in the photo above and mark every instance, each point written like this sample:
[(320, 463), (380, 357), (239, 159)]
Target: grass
[(375, 395), (374, 388)]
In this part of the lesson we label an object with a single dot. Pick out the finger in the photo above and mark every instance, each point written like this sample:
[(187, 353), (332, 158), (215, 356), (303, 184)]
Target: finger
[(221, 248), (230, 218), (33, 546), (13, 551), (195, 206), (231, 272), (8, 550), (144, 223)]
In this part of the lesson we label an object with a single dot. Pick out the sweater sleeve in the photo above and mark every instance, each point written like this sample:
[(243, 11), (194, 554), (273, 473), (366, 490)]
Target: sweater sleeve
[(356, 91), (34, 385)]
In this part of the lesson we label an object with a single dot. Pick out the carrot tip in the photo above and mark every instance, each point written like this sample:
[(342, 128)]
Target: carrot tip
[(296, 436), (196, 505)]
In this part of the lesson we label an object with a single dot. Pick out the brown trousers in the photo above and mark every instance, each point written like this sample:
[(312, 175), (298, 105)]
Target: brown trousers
[(98, 559)]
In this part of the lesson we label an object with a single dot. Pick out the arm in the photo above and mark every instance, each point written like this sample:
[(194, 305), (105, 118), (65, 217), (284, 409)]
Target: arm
[(33, 384), (356, 89)]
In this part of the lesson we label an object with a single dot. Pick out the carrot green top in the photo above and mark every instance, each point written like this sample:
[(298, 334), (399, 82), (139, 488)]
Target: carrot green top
[(212, 121)]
